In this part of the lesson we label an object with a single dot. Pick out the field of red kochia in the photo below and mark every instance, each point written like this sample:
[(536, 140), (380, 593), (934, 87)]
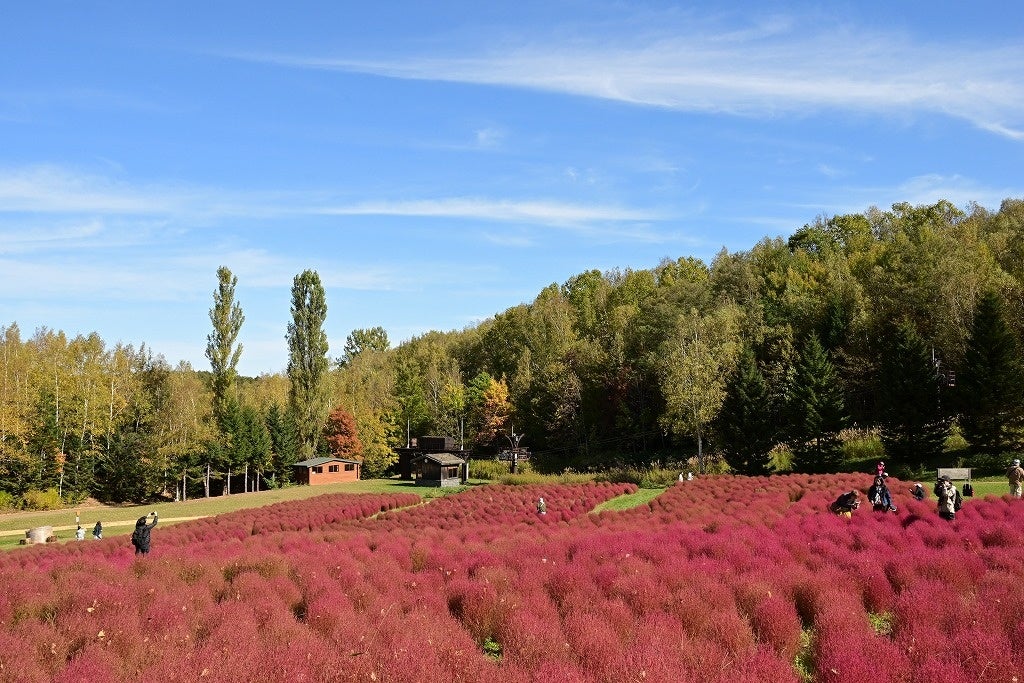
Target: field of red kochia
[(718, 579)]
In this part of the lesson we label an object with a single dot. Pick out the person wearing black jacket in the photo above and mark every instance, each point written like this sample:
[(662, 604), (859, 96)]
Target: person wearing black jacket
[(878, 494), (140, 537)]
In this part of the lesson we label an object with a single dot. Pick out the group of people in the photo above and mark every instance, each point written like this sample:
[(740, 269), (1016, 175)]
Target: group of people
[(878, 495), (948, 498), (141, 537), (97, 532)]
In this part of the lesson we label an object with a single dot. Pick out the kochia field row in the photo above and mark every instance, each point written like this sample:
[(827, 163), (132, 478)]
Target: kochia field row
[(718, 579)]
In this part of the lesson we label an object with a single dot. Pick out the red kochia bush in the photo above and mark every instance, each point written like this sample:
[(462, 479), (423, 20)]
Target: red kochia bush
[(714, 581)]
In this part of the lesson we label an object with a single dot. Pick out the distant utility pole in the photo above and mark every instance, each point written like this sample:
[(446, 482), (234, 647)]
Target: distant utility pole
[(514, 439)]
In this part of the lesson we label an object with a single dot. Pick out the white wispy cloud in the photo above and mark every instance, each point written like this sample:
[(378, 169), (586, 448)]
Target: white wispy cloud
[(542, 212), (957, 189), (43, 190), (489, 138), (778, 67), (918, 190)]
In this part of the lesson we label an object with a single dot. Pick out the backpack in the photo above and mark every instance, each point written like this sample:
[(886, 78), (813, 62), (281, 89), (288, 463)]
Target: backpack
[(968, 490), (136, 537)]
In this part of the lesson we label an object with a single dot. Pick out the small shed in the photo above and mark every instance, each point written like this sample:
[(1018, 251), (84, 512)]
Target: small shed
[(418, 447), (326, 471), (439, 469)]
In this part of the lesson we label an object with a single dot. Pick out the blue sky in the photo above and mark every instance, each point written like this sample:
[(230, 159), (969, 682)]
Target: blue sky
[(438, 163)]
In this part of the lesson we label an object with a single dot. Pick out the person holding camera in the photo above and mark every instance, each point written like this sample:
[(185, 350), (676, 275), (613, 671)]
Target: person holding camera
[(845, 504), (1015, 476), (140, 537), (948, 498)]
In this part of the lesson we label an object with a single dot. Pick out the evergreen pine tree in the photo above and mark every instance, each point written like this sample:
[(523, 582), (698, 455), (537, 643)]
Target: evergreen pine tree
[(747, 424), (913, 428), (991, 383), (816, 410), (284, 444)]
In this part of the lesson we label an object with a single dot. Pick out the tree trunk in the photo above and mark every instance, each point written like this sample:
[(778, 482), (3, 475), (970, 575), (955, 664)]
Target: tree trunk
[(700, 453)]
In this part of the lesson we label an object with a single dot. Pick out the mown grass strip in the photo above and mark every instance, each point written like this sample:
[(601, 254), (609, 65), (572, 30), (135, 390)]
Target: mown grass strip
[(121, 519), (630, 500)]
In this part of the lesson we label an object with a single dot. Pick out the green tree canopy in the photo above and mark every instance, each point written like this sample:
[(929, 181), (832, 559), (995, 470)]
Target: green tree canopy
[(913, 428), (747, 424), (816, 411), (372, 339), (227, 318), (307, 359), (991, 384)]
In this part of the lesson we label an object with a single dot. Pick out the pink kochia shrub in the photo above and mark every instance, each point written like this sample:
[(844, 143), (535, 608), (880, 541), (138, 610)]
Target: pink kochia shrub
[(720, 579)]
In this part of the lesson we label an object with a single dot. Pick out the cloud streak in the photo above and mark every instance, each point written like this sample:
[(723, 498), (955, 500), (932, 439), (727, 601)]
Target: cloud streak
[(547, 213), (779, 68), (48, 190)]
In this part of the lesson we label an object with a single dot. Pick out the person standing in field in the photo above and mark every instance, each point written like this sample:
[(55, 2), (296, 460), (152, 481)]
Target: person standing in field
[(79, 533), (97, 531), (140, 537), (948, 497), (878, 494), (542, 507), (1015, 475)]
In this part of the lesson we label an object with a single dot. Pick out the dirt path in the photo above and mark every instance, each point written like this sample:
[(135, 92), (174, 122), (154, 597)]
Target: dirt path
[(107, 525)]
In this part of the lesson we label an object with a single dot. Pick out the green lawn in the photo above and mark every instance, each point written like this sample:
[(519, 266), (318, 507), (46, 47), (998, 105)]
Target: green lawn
[(121, 520), (987, 486), (630, 500)]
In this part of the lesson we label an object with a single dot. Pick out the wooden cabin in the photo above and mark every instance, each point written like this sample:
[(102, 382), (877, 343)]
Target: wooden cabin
[(326, 471), (425, 445), (439, 469)]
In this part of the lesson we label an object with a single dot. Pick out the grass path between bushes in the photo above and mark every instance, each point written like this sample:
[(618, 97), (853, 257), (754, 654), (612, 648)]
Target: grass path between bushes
[(629, 500), (121, 519)]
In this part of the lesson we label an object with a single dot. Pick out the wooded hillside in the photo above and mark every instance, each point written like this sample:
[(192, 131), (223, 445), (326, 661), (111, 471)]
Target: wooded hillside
[(904, 322)]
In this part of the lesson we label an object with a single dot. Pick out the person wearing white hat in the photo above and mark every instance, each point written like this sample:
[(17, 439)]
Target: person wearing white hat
[(1015, 475)]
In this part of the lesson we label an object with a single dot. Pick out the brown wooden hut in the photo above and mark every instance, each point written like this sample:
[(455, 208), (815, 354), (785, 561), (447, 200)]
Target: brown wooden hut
[(439, 469), (326, 471), (419, 446)]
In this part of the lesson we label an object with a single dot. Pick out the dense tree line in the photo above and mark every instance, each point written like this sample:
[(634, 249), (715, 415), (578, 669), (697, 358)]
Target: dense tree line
[(904, 323)]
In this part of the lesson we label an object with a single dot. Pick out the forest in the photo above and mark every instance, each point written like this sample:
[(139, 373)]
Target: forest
[(900, 327)]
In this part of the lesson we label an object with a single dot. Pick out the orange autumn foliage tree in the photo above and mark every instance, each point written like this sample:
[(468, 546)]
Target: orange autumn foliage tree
[(495, 410), (341, 436)]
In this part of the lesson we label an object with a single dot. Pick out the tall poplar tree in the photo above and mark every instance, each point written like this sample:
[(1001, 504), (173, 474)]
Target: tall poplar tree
[(991, 384), (226, 316), (307, 359), (817, 411)]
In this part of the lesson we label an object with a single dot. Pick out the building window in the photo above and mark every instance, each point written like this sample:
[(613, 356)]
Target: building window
[(318, 469), (332, 468), (349, 467)]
